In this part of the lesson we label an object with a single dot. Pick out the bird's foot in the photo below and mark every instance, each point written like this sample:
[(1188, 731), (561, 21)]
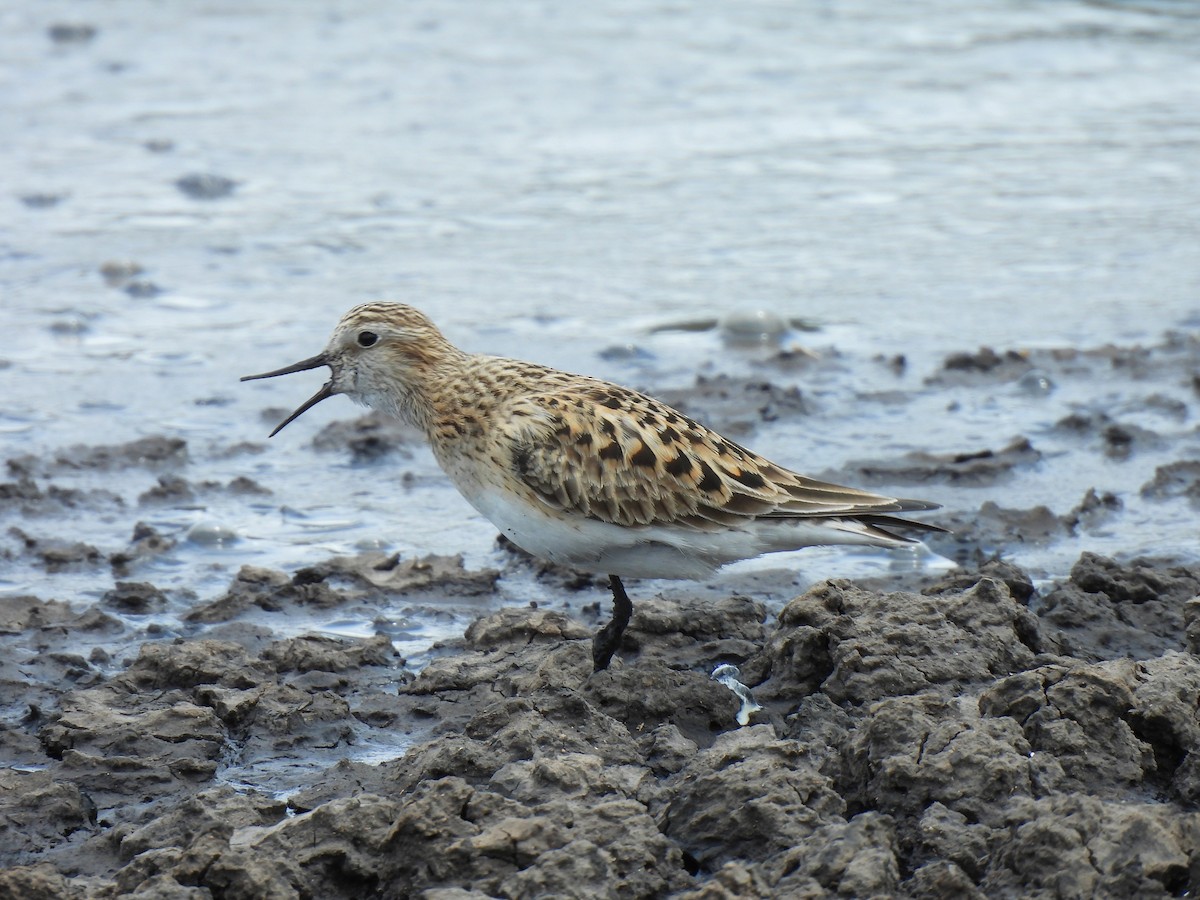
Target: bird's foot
[(604, 645), (608, 639)]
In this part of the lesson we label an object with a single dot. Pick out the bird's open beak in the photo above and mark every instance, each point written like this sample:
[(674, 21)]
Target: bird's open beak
[(324, 393)]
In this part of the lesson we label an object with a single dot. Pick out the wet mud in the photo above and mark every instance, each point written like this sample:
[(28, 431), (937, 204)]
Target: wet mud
[(923, 744), (986, 730)]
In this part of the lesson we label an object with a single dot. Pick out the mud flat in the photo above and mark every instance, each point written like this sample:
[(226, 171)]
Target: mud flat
[(949, 743), (982, 731)]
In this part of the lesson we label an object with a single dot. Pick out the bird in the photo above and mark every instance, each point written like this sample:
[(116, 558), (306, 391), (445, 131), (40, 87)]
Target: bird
[(583, 472)]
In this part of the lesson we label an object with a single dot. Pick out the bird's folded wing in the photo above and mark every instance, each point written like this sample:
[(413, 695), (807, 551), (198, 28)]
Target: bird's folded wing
[(621, 457)]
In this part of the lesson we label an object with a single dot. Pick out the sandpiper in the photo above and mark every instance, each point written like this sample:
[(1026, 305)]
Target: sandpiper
[(586, 473)]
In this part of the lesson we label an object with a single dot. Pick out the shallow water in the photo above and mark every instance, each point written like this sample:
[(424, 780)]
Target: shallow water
[(917, 179)]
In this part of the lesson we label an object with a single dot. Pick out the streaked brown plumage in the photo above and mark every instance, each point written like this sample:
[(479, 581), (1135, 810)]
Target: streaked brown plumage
[(584, 472)]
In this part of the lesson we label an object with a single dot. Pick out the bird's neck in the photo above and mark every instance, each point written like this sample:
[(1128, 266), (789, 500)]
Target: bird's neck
[(464, 399), (420, 396)]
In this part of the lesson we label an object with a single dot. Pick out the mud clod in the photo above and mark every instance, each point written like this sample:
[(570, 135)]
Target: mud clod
[(909, 743), (983, 467)]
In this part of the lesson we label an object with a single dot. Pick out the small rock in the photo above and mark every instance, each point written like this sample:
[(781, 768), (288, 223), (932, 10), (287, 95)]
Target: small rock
[(1177, 479), (972, 468), (71, 33), (42, 201), (1035, 384), (522, 626), (135, 597), (118, 272), (368, 438), (211, 534), (204, 186), (140, 289), (171, 489), (759, 326)]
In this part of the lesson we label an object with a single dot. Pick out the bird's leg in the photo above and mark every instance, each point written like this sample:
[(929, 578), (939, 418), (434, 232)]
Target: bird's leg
[(608, 639)]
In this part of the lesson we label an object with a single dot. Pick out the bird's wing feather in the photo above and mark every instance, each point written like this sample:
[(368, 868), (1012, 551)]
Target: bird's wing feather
[(621, 457)]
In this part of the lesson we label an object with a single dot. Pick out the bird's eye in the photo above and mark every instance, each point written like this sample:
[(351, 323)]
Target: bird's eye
[(367, 338)]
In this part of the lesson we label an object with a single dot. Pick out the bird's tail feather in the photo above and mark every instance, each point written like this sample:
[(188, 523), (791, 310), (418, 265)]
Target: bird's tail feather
[(880, 528)]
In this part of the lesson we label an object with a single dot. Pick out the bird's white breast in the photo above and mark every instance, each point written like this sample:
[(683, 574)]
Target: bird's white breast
[(584, 543), (643, 551)]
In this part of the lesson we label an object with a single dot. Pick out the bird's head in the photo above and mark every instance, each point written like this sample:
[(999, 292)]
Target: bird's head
[(380, 355)]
